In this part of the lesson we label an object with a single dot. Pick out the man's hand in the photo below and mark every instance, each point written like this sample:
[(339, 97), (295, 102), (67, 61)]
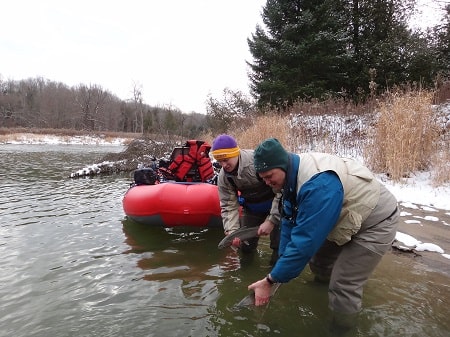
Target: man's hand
[(262, 291), (265, 228), (236, 243)]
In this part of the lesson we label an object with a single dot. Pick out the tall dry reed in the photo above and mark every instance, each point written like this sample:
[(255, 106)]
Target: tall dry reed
[(264, 127), (405, 136), (252, 131), (441, 166)]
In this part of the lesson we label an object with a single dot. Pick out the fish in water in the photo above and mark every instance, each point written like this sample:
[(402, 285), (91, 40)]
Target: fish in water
[(249, 300), (243, 234)]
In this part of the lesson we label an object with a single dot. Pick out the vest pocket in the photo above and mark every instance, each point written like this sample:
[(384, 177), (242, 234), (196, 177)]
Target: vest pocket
[(346, 228)]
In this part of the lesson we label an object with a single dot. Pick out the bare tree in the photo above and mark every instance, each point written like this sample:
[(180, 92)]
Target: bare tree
[(91, 101), (40, 103), (233, 106), (138, 108)]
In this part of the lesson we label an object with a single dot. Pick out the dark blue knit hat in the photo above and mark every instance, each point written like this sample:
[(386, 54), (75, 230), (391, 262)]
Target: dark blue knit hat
[(270, 154)]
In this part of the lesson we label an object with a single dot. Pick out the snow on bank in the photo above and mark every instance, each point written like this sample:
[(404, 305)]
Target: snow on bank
[(93, 169), (418, 193), (419, 246), (28, 138), (419, 190)]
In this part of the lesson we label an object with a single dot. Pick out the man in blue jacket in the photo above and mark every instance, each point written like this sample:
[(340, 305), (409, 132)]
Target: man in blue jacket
[(336, 216)]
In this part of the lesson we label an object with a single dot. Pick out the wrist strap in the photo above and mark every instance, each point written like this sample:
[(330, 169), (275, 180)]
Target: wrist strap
[(268, 279)]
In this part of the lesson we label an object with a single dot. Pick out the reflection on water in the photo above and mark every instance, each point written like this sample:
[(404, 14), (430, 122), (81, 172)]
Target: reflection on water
[(169, 253), (72, 265)]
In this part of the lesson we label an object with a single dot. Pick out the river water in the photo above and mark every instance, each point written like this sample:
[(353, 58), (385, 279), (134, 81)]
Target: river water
[(73, 265)]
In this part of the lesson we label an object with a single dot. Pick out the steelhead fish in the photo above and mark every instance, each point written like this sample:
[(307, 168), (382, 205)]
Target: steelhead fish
[(243, 233), (249, 300)]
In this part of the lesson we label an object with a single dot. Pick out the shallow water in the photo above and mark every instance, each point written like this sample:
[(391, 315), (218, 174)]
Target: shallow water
[(73, 265)]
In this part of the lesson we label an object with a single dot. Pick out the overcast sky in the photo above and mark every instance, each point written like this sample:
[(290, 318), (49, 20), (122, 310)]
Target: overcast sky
[(176, 51)]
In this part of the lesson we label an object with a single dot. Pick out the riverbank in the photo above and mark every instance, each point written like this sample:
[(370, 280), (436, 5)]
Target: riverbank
[(81, 139), (424, 227), (423, 236)]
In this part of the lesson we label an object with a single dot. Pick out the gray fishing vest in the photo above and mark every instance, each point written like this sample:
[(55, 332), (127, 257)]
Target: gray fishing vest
[(361, 190)]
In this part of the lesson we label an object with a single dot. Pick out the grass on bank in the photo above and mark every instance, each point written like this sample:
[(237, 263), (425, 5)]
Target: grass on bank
[(400, 137)]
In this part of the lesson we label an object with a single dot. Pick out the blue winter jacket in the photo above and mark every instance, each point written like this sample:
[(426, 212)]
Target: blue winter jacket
[(308, 217)]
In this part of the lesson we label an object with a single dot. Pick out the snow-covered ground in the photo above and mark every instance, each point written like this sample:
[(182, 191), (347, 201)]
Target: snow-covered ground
[(29, 138)]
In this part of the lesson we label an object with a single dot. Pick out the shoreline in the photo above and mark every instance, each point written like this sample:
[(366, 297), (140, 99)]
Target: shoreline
[(431, 227), (41, 139), (425, 208)]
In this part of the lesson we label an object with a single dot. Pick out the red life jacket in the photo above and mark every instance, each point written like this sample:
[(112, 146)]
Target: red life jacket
[(192, 163)]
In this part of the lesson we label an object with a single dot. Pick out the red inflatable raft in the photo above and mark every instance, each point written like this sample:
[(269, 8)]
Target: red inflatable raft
[(172, 204)]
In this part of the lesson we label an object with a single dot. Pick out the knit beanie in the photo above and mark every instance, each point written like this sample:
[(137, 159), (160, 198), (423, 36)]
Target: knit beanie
[(224, 147), (270, 154)]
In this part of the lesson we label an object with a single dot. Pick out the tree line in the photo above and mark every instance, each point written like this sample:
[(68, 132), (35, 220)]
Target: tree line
[(306, 50), (42, 103)]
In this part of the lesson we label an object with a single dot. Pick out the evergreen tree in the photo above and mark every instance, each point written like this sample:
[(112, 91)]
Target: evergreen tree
[(423, 64), (320, 48), (302, 53), (442, 43), (381, 41)]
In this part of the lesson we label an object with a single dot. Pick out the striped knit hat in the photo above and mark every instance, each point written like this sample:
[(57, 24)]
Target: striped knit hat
[(224, 147)]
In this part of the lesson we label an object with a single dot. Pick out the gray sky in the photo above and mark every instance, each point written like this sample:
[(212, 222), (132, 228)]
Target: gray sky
[(176, 51)]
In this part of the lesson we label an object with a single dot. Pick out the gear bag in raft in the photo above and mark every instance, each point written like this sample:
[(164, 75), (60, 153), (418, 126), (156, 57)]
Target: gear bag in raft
[(145, 176)]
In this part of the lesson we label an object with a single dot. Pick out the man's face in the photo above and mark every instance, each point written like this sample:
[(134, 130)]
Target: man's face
[(229, 164), (274, 178)]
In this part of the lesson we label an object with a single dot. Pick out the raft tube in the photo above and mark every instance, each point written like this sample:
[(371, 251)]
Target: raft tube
[(172, 204)]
